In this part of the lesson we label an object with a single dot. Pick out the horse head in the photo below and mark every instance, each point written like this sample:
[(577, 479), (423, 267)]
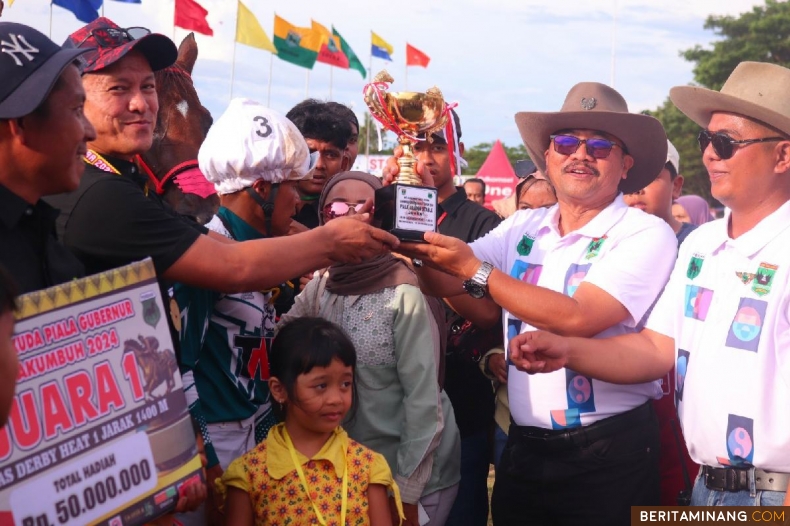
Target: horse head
[(181, 126)]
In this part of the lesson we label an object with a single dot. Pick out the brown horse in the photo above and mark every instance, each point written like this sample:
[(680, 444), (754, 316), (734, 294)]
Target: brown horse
[(181, 127)]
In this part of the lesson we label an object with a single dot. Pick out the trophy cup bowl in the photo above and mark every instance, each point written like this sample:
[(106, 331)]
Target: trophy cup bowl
[(406, 208)]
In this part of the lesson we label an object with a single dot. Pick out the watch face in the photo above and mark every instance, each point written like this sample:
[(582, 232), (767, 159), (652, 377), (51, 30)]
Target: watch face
[(474, 289)]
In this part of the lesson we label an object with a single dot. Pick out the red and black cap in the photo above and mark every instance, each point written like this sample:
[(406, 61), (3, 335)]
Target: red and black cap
[(30, 64), (109, 43)]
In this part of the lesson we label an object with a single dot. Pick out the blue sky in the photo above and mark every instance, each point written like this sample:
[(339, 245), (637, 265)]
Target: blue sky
[(494, 57)]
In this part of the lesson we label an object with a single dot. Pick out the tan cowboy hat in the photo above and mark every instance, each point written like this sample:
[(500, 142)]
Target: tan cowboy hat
[(757, 90), (594, 106)]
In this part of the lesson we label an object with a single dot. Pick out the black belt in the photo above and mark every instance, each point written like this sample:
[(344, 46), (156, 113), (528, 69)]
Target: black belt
[(551, 440), (737, 479)]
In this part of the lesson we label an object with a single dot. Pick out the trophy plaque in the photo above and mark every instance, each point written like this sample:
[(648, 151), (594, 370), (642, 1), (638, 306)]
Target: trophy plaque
[(406, 208)]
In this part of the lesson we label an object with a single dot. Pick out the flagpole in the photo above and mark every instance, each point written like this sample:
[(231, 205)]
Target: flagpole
[(307, 86), (614, 44), (102, 9), (406, 77), (331, 69), (50, 20), (232, 69), (269, 87), (367, 116)]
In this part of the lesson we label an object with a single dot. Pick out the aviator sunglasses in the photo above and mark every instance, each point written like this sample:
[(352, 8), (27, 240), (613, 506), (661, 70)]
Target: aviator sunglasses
[(340, 209), (597, 148), (724, 145)]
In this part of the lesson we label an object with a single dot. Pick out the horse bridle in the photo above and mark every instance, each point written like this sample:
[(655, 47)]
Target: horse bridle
[(159, 184)]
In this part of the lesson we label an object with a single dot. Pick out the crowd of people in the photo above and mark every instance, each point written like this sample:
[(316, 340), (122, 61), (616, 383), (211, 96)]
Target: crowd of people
[(599, 338)]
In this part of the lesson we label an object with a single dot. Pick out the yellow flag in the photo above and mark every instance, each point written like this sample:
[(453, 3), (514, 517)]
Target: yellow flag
[(10, 3), (321, 30), (250, 32)]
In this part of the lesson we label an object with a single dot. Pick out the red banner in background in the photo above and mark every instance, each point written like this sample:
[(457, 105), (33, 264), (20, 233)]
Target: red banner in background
[(498, 174)]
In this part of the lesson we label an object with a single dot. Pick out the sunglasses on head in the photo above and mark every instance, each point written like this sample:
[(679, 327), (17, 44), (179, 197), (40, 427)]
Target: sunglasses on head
[(724, 145), (115, 36), (340, 209), (597, 148)]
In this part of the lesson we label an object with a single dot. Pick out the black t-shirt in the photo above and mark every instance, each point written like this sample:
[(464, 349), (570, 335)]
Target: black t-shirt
[(308, 214), (470, 392), (113, 220), (28, 247)]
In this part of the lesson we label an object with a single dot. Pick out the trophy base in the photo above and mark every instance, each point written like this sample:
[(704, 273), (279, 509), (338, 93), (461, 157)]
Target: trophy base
[(406, 211)]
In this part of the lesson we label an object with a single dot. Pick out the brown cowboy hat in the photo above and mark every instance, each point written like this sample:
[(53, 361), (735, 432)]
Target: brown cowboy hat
[(594, 106), (757, 90)]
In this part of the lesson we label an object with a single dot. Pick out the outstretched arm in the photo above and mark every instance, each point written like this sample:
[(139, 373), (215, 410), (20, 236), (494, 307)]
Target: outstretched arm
[(627, 359)]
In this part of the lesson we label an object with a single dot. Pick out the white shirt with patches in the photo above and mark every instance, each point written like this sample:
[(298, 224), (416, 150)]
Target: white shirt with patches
[(727, 306), (623, 251)]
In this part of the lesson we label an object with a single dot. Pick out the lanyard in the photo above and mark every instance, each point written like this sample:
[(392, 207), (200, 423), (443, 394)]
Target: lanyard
[(441, 218), (94, 159), (344, 489)]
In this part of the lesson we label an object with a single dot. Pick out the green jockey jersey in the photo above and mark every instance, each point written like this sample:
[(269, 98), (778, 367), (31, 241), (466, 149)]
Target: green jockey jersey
[(224, 340)]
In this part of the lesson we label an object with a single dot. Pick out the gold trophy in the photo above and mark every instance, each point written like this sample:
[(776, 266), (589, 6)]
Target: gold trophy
[(406, 208)]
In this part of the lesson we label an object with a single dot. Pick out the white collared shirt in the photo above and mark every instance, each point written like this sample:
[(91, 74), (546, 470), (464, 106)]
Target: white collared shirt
[(727, 306), (623, 251)]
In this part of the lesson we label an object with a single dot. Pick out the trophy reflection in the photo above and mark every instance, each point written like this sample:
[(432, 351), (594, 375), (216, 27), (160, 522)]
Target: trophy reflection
[(406, 208)]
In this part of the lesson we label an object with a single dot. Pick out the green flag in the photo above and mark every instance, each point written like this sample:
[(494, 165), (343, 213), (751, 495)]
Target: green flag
[(353, 60), (297, 45)]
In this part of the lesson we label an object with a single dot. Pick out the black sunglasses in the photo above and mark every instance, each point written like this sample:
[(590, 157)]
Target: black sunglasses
[(115, 36), (724, 145), (597, 148)]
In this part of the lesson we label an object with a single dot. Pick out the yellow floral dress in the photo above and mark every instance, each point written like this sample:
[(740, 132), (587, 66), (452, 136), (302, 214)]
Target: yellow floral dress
[(268, 475)]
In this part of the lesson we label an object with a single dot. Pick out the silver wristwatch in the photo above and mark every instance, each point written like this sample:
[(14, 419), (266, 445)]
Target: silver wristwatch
[(477, 286)]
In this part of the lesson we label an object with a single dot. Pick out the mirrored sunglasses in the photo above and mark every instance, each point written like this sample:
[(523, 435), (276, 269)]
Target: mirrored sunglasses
[(340, 209), (596, 147)]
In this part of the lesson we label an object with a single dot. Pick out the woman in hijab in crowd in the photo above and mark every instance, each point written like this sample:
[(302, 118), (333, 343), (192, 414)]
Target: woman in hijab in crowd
[(691, 209), (402, 413)]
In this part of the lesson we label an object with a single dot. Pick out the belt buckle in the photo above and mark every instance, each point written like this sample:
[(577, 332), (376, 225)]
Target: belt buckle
[(736, 479)]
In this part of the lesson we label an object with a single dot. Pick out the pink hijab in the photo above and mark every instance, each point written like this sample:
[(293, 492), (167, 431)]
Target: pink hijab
[(696, 207)]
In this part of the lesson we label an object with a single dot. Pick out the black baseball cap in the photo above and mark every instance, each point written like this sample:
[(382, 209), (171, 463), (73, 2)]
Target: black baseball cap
[(30, 65)]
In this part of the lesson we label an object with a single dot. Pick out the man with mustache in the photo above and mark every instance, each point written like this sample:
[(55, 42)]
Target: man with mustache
[(112, 219), (579, 451), (723, 317)]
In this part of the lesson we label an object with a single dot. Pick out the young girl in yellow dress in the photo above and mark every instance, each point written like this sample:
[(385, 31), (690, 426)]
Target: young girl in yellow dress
[(308, 471)]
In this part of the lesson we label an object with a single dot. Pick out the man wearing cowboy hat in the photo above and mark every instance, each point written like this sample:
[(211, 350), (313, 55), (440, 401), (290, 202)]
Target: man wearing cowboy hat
[(579, 451), (723, 318)]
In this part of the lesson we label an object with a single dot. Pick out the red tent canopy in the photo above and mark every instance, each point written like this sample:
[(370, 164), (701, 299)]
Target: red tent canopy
[(498, 174)]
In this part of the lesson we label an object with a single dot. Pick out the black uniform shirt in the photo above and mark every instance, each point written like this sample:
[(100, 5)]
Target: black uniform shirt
[(28, 247), (469, 391), (112, 220)]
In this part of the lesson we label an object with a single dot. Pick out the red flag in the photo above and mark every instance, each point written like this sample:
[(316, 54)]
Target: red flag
[(415, 57), (191, 15)]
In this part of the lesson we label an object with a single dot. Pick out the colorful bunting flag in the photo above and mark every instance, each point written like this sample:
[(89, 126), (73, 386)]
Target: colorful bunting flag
[(331, 51), (85, 10), (191, 15), (353, 60), (250, 32), (415, 57), (379, 47), (297, 45)]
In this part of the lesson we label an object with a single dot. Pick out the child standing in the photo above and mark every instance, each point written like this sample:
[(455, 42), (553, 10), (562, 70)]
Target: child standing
[(308, 469)]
